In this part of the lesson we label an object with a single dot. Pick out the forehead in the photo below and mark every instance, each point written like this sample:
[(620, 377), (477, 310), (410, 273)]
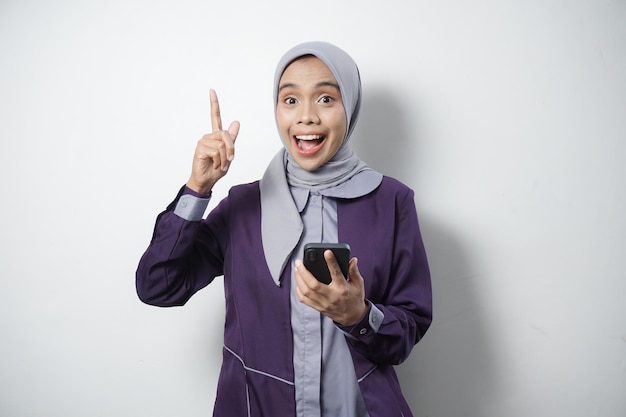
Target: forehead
[(307, 70)]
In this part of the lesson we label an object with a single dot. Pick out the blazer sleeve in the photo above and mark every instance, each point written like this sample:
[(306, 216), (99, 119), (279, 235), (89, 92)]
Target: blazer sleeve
[(182, 257), (406, 302)]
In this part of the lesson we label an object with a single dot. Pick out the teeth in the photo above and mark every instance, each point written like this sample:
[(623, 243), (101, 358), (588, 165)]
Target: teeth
[(309, 137)]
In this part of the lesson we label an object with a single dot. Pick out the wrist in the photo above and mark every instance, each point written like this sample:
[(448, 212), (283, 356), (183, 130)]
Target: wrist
[(202, 189), (357, 315)]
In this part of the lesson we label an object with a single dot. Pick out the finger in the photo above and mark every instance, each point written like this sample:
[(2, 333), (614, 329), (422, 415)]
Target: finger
[(233, 129), (333, 266), (223, 147), (218, 156), (208, 150), (354, 275), (216, 117), (229, 141), (304, 277), (303, 290), (306, 300)]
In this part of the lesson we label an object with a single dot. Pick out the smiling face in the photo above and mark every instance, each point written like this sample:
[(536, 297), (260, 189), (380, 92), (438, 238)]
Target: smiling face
[(310, 113)]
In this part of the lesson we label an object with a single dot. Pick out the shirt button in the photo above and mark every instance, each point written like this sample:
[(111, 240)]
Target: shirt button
[(363, 331), (183, 203)]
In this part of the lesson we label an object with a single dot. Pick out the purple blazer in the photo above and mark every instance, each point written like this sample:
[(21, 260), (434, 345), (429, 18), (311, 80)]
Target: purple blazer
[(256, 378)]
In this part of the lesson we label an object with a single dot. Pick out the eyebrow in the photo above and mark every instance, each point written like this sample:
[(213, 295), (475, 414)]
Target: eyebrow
[(318, 85)]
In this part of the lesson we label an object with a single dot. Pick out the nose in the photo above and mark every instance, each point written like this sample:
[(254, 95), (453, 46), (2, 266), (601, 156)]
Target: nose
[(308, 113)]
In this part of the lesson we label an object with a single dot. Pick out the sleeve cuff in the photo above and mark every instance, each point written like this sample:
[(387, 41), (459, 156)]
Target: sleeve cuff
[(367, 327), (191, 205)]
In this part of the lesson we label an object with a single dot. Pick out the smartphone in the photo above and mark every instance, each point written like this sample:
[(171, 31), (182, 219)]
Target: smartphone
[(316, 264)]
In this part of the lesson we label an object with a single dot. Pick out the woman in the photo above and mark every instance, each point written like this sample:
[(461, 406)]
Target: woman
[(292, 345)]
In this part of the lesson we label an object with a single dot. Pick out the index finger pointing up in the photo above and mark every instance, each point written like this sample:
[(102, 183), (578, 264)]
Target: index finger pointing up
[(216, 118)]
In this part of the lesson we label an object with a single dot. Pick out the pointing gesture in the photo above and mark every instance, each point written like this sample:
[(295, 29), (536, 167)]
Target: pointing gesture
[(214, 152)]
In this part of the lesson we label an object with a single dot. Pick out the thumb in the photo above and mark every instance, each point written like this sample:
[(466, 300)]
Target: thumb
[(354, 274), (233, 130)]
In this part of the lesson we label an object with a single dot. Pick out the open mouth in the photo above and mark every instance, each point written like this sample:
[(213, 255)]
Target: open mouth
[(309, 143)]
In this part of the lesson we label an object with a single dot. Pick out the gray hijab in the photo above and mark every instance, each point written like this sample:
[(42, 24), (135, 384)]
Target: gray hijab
[(343, 176)]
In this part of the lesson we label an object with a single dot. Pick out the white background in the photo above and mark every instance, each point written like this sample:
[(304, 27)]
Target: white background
[(508, 118)]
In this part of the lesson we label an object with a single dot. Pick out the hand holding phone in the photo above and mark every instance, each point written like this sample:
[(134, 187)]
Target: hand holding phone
[(315, 262)]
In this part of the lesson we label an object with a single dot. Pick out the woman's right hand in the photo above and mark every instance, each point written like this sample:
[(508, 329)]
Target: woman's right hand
[(214, 152)]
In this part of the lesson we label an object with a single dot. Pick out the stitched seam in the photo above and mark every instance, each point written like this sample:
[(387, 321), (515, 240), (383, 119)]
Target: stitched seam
[(256, 371), (248, 400), (367, 374)]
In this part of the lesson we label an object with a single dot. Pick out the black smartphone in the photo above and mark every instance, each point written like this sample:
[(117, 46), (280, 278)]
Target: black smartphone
[(316, 264)]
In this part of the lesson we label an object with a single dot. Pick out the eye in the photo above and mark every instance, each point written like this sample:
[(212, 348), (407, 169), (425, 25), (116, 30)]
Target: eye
[(290, 100), (326, 99)]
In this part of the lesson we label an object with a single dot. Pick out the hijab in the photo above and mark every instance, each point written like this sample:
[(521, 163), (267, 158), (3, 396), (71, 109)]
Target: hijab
[(343, 176)]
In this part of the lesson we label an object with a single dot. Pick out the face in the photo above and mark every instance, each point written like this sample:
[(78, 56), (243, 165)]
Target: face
[(310, 113)]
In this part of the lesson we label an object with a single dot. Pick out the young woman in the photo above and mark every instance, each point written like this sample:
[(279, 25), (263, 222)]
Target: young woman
[(294, 346)]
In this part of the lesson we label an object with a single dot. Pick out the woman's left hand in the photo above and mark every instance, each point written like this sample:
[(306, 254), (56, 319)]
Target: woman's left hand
[(343, 300)]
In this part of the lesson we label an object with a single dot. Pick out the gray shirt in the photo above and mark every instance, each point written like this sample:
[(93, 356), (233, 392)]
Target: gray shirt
[(324, 376)]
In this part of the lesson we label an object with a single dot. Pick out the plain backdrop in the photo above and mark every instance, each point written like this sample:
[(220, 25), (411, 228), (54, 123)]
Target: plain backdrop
[(507, 118)]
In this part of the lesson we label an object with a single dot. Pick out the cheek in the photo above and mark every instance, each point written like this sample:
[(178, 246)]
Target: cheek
[(283, 124), (284, 114), (339, 124), (280, 118)]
